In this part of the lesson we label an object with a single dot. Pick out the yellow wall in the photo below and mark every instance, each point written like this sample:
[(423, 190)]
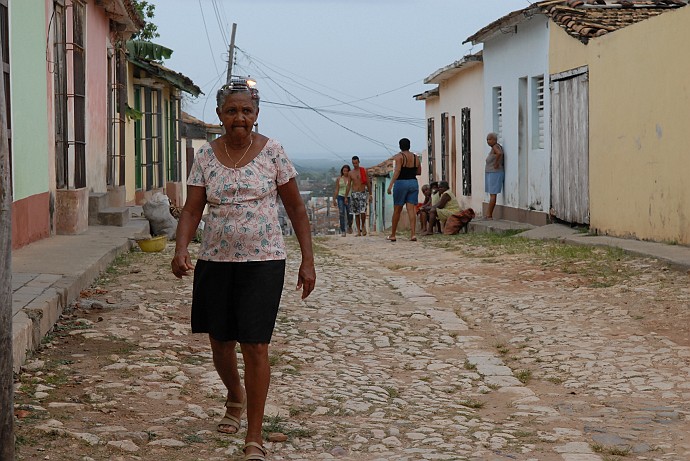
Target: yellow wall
[(639, 102)]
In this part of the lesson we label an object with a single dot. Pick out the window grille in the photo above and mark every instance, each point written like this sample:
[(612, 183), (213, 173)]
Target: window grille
[(174, 164), (79, 91), (148, 135), (444, 146), (430, 148), (538, 112), (498, 112), (465, 133), (60, 85)]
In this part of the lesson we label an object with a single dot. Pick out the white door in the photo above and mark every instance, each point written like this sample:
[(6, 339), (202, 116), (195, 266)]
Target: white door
[(570, 146)]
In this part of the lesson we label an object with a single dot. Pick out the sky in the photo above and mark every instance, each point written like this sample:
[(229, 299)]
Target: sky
[(337, 78)]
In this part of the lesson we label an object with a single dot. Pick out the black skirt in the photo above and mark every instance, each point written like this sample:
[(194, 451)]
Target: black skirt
[(237, 301)]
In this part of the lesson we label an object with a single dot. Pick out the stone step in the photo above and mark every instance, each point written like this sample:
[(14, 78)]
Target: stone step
[(114, 216), (97, 201)]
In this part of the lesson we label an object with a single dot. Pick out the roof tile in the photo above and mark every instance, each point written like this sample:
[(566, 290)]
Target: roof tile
[(585, 19)]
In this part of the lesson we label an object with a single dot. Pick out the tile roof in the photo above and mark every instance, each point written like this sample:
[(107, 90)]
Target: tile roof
[(593, 18), (432, 93), (583, 19), (157, 69), (450, 70), (383, 168), (188, 118)]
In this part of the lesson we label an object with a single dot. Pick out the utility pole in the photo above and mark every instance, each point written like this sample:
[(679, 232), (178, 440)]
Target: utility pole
[(6, 377), (231, 52)]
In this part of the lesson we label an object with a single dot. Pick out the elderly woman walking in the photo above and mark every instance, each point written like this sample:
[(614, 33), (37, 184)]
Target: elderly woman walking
[(239, 274)]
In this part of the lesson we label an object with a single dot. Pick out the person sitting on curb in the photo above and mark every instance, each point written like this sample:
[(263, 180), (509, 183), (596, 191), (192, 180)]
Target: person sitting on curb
[(423, 208), (446, 206)]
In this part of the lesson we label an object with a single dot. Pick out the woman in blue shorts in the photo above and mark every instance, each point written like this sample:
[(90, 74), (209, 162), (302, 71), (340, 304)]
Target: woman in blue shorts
[(405, 188)]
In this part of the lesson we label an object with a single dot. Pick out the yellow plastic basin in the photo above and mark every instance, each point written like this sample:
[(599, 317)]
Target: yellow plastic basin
[(153, 244)]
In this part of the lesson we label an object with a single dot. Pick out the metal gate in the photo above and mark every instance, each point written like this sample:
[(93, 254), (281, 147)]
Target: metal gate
[(570, 146), (465, 130), (444, 146), (430, 148)]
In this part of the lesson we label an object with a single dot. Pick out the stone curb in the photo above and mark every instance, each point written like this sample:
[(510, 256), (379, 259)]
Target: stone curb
[(38, 318)]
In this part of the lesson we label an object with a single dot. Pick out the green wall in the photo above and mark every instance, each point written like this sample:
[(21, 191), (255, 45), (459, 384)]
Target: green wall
[(29, 101)]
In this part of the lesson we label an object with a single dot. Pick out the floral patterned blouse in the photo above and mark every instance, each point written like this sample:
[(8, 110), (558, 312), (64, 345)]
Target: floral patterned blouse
[(242, 220)]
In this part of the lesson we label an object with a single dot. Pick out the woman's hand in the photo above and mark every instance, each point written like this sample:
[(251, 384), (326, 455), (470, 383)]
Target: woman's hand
[(181, 263), (389, 190), (306, 278)]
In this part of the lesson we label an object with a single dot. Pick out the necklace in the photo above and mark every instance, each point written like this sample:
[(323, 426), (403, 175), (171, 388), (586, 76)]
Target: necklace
[(225, 146)]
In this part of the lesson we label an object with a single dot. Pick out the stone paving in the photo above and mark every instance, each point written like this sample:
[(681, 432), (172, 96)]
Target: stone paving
[(393, 357)]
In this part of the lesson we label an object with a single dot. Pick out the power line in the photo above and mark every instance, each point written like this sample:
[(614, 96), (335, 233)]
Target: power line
[(220, 22), (407, 120), (299, 83), (356, 133), (377, 95), (387, 147), (207, 36)]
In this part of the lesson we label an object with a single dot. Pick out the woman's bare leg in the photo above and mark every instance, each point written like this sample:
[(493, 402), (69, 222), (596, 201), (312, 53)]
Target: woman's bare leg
[(423, 221), (225, 362), (412, 216), (257, 377), (432, 222), (397, 210), (492, 205)]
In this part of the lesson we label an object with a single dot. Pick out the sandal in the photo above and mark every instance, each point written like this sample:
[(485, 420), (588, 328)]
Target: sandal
[(254, 456), (391, 239), (231, 421), (413, 239)]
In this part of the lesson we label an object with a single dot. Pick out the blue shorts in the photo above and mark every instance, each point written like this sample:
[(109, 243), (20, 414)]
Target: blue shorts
[(493, 182), (405, 191)]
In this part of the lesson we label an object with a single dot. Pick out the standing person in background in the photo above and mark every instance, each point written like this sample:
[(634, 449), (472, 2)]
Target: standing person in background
[(494, 173), (405, 188), (342, 184), (239, 275), (360, 195)]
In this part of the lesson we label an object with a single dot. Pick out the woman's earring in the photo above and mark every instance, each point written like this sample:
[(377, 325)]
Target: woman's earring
[(221, 123)]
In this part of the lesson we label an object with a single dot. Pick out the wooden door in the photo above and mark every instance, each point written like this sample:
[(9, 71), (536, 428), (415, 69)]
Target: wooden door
[(570, 146)]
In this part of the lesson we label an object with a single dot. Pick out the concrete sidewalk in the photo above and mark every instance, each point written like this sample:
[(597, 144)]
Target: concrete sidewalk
[(49, 274), (677, 256)]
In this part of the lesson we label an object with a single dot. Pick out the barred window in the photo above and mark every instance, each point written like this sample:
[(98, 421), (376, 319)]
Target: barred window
[(498, 111), (538, 112)]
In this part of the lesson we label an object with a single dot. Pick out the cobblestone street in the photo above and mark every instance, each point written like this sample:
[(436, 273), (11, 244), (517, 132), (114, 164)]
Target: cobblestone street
[(450, 348)]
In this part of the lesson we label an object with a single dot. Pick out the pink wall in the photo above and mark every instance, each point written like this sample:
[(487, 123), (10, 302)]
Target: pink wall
[(97, 40)]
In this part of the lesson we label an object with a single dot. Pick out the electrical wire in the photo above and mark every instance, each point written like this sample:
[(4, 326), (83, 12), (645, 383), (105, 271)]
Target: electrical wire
[(216, 11), (416, 82), (387, 147), (341, 102), (203, 18), (409, 120)]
